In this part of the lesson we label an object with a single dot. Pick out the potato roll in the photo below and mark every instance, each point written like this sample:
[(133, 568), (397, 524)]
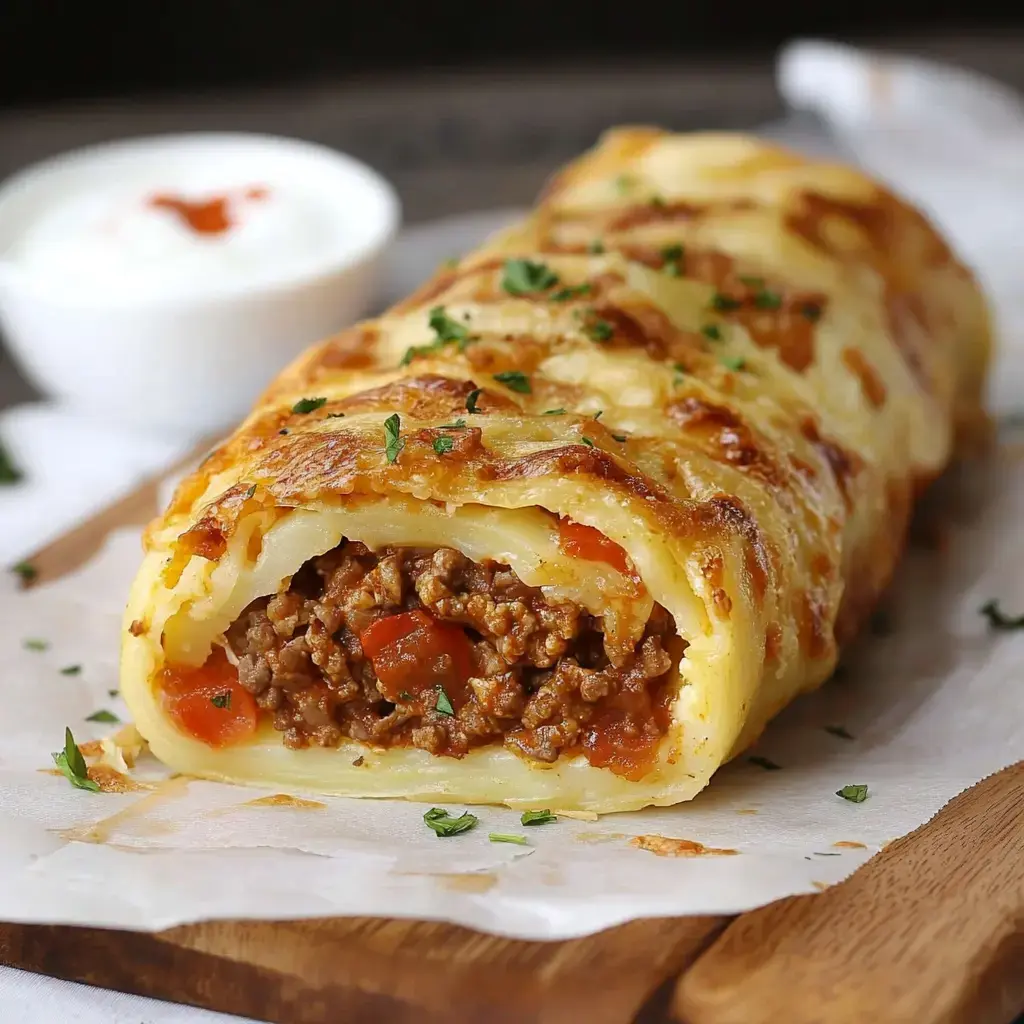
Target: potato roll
[(567, 527)]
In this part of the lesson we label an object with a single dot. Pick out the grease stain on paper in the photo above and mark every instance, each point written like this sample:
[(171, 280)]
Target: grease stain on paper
[(286, 800), (102, 831), (849, 844)]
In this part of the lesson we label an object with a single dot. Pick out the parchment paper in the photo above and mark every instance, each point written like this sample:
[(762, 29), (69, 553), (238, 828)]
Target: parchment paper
[(926, 705)]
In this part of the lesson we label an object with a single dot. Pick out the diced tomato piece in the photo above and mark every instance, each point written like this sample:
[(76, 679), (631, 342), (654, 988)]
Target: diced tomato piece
[(208, 702), (412, 652), (579, 541)]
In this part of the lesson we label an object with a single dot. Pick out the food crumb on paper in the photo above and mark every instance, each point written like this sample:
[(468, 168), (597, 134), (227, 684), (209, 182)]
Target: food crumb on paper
[(286, 800), (110, 780), (820, 886), (665, 846), (849, 844)]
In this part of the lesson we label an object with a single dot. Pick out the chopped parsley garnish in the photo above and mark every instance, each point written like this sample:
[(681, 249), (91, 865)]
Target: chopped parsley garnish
[(621, 438), (221, 700), (447, 331), (304, 405), (997, 619), (672, 255), (103, 716), (811, 310), (450, 263), (840, 731), (514, 380), (33, 644), (393, 444), (855, 794), (524, 277), (624, 183), (443, 705), (596, 247), (249, 493), (504, 837), (752, 282), (735, 363), (572, 291), (26, 570), (680, 372), (712, 331), (598, 414), (537, 817), (459, 424), (724, 303), (597, 329), (406, 695), (335, 416), (657, 202), (72, 765), (71, 670), (471, 400), (587, 442), (9, 473), (283, 430), (445, 825), (765, 763), (766, 299), (554, 412), (443, 445), (113, 693)]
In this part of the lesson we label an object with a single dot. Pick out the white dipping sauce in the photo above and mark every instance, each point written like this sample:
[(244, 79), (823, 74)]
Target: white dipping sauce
[(180, 221)]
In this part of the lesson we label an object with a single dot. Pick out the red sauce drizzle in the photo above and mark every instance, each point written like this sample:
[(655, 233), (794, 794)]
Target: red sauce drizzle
[(209, 216)]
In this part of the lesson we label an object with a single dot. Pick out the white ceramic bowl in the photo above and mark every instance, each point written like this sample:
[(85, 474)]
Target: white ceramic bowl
[(189, 357)]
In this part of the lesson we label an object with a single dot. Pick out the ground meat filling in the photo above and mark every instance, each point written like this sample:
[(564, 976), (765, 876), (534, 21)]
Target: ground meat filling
[(410, 646)]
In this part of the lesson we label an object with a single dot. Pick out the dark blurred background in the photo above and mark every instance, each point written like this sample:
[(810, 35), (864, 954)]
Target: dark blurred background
[(464, 106)]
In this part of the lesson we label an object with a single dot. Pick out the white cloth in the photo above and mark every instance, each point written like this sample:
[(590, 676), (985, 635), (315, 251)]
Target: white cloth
[(951, 141)]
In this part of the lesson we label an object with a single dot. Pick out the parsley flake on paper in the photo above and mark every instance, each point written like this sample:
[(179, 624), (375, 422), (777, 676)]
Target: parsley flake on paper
[(103, 715), (438, 819), (35, 644), (997, 619), (855, 794), (26, 571), (537, 817), (72, 765), (504, 837), (839, 730), (9, 472), (71, 670), (765, 763)]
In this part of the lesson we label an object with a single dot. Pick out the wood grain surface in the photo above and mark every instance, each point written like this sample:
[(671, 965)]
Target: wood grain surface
[(929, 931)]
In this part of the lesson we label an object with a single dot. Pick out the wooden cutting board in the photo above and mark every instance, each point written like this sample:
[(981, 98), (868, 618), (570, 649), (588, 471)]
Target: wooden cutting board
[(929, 931)]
